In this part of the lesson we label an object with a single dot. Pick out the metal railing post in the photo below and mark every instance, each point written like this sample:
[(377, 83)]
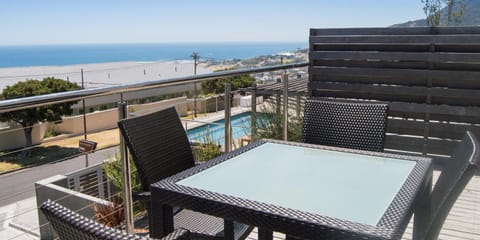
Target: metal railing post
[(195, 100), (126, 180), (285, 107), (196, 57), (278, 103), (254, 111), (205, 107), (298, 105), (228, 122), (84, 117)]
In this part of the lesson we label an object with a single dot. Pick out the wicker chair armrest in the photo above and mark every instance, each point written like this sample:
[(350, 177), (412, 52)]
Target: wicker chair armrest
[(178, 234), (141, 196), (145, 196)]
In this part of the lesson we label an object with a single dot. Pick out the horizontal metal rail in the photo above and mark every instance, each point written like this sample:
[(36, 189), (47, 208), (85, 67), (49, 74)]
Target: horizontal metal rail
[(41, 100)]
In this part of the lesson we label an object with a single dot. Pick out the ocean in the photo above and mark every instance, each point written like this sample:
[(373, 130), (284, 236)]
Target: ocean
[(59, 55)]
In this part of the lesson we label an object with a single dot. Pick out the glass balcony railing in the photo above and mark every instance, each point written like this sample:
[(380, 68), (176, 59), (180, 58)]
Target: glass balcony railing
[(75, 176)]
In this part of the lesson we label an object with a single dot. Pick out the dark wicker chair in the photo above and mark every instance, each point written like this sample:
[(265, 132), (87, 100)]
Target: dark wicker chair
[(348, 124), (160, 148), (70, 225), (456, 174)]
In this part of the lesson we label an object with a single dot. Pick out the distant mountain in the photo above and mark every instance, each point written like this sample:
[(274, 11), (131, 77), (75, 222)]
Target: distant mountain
[(471, 17)]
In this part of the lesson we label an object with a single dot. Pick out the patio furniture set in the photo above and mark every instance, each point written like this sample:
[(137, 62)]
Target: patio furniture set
[(337, 184)]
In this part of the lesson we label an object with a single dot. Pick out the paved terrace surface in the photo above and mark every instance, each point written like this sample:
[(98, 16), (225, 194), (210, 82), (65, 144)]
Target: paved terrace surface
[(463, 222)]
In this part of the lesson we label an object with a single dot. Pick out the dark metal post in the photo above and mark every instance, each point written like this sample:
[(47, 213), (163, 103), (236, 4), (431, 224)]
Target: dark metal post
[(265, 234), (285, 107), (228, 122), (84, 118), (254, 110), (126, 180), (229, 233)]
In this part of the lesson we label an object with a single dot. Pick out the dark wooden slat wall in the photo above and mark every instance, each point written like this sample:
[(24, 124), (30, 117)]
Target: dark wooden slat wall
[(430, 77), (394, 31)]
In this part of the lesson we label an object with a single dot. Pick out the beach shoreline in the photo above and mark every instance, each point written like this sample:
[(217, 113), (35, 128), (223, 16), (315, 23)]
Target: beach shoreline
[(103, 74)]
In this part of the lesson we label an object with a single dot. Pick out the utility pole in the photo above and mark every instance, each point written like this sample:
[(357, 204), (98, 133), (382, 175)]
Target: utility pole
[(195, 57)]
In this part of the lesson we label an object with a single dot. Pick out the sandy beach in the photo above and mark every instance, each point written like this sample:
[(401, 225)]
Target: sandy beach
[(102, 74)]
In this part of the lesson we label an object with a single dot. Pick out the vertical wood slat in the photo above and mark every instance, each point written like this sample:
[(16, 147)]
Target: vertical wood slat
[(428, 101)]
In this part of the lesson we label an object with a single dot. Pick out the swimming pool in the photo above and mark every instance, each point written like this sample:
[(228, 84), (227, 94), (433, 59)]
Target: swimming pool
[(215, 132)]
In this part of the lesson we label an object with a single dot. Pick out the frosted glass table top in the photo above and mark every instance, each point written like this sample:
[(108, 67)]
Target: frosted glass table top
[(353, 187)]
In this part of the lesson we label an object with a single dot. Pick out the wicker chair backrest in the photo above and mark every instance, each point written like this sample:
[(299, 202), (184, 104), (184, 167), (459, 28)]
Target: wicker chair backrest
[(348, 124), (158, 144), (455, 175), (70, 225)]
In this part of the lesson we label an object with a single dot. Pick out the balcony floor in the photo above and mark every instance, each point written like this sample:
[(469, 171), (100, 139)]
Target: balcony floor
[(462, 223)]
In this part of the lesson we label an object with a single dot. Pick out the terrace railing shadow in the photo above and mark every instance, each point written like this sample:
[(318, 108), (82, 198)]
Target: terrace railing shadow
[(40, 155)]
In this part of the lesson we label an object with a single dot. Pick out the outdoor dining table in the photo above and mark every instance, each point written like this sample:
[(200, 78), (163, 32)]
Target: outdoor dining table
[(302, 190)]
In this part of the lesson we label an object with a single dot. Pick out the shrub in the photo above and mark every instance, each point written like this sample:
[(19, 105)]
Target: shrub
[(205, 151), (113, 172), (270, 125)]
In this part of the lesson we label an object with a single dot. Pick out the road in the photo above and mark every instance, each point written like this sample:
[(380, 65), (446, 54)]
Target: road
[(19, 185)]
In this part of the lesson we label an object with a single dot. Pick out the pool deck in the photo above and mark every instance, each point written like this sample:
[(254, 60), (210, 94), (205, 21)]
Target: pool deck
[(212, 117)]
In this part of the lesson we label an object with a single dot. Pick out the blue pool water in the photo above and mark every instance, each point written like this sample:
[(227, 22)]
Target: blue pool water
[(215, 132)]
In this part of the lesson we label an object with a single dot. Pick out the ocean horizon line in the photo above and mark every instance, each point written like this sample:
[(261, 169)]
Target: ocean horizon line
[(60, 55), (154, 43)]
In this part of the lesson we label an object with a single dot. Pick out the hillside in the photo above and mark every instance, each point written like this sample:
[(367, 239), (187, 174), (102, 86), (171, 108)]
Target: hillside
[(470, 18)]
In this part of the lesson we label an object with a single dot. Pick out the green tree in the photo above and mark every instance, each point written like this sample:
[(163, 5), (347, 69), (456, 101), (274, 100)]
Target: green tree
[(28, 117), (218, 86), (434, 10)]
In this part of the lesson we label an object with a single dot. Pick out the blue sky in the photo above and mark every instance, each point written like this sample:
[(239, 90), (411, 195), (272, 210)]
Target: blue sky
[(32, 22)]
